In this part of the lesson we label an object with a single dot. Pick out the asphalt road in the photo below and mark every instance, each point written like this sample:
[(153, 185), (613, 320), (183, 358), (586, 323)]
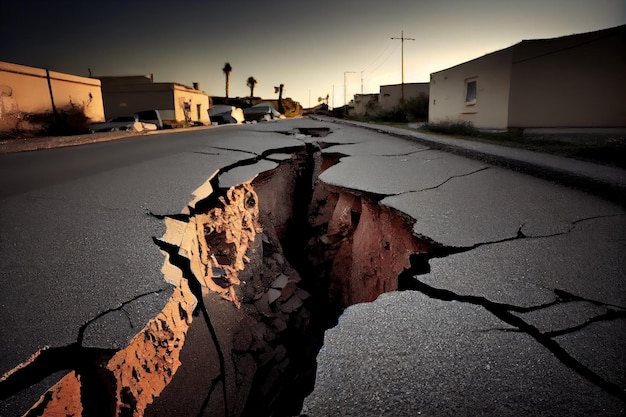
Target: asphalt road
[(77, 255), (521, 313)]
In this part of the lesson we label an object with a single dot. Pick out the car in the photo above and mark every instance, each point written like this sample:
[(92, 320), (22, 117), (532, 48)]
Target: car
[(225, 114), (115, 124), (150, 116), (261, 111), (144, 120)]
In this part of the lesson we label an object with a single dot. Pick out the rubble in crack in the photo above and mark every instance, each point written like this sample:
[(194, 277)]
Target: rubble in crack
[(319, 249), (260, 271)]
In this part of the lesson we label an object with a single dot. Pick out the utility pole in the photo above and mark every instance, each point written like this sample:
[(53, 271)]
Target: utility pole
[(402, 39), (361, 82)]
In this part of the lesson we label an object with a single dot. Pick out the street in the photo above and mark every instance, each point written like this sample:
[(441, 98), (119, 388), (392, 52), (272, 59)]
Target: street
[(505, 294)]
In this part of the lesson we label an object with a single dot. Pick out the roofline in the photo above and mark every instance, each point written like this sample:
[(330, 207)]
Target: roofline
[(601, 33)]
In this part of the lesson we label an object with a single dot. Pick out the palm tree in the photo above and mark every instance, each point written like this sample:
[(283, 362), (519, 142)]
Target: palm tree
[(227, 70), (251, 83)]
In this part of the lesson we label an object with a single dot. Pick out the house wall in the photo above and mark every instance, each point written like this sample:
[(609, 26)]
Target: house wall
[(126, 100), (492, 74), (366, 104), (26, 103), (197, 101), (390, 95), (577, 81)]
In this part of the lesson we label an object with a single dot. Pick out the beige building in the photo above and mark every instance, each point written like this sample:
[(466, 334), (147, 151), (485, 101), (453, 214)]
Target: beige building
[(366, 105), (39, 100), (390, 95), (574, 81), (177, 103), (387, 100)]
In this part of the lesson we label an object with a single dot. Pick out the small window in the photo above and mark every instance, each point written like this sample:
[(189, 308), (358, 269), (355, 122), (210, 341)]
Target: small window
[(470, 92)]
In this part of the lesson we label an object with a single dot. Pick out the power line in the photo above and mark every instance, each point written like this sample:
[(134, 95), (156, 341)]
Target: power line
[(385, 60), (388, 52)]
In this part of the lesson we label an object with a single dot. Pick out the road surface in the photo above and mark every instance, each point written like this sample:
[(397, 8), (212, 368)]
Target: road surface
[(518, 309)]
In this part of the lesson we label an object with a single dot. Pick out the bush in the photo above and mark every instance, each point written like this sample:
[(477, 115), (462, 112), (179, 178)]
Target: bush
[(453, 128), (415, 109)]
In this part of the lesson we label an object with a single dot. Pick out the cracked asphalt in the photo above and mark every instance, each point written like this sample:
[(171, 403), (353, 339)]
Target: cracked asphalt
[(522, 310)]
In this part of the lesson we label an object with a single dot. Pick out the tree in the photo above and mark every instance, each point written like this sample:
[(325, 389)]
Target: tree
[(251, 83), (227, 70), (324, 99)]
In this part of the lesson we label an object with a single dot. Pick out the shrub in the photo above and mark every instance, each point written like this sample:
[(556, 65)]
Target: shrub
[(453, 128), (415, 109)]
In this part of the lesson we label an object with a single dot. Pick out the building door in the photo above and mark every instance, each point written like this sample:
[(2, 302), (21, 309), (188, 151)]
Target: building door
[(198, 107)]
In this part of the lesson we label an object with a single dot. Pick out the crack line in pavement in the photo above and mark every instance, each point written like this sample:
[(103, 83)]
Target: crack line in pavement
[(408, 281), (49, 360), (83, 328), (610, 315), (453, 177), (179, 216), (258, 157), (234, 150), (207, 153)]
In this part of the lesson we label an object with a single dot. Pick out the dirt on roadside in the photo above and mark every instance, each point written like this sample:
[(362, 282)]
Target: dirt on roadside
[(32, 143)]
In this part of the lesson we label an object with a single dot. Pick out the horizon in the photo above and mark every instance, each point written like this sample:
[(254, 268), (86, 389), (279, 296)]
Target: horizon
[(314, 49)]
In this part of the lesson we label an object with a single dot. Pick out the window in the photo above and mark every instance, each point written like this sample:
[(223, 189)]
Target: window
[(470, 91)]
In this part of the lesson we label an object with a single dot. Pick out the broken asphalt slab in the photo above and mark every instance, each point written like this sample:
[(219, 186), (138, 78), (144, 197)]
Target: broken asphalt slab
[(407, 354)]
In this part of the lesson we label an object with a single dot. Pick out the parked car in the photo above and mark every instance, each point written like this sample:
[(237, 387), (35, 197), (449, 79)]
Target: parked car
[(150, 116), (115, 124), (225, 114), (143, 120), (261, 111)]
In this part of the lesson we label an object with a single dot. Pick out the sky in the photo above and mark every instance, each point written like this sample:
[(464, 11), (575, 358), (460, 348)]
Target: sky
[(326, 47)]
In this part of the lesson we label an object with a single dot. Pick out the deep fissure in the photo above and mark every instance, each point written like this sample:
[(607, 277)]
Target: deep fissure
[(278, 260)]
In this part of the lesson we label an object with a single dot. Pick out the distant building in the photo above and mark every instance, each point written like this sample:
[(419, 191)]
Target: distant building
[(572, 81), (387, 100), (390, 95), (366, 105), (47, 102), (178, 104)]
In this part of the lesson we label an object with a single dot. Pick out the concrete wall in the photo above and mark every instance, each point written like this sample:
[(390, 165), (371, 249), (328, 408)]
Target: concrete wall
[(390, 95), (125, 100), (491, 74), (26, 100), (577, 81), (366, 105)]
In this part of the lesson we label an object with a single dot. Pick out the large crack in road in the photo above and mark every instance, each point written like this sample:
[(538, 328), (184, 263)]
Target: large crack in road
[(260, 271)]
